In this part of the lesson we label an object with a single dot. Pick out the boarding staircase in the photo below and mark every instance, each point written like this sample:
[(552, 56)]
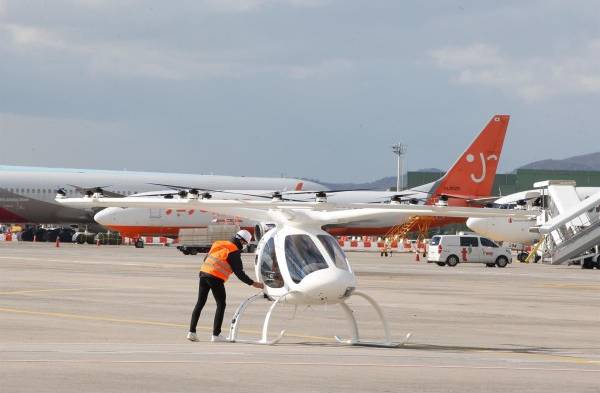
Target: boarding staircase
[(574, 227), (416, 223)]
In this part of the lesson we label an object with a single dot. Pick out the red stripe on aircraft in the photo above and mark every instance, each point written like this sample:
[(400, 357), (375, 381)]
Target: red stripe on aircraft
[(7, 216)]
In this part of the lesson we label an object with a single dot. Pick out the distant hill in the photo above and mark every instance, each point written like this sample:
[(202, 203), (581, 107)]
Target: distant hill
[(430, 170), (385, 183), (586, 162)]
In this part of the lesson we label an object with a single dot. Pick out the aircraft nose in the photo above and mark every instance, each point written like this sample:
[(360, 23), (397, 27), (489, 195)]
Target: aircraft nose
[(107, 216), (476, 224)]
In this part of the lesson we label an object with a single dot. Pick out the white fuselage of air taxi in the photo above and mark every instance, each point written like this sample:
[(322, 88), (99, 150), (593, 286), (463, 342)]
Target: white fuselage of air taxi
[(306, 265)]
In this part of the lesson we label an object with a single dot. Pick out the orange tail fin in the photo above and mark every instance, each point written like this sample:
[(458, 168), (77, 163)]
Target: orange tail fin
[(472, 175)]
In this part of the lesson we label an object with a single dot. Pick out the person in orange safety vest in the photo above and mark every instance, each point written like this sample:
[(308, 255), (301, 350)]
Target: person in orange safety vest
[(223, 259)]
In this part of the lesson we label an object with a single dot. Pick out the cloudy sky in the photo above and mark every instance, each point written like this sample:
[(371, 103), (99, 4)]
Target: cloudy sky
[(307, 88)]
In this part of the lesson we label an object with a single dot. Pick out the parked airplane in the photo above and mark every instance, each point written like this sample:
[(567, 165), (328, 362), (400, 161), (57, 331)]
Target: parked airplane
[(27, 193), (298, 262), (469, 179), (517, 231)]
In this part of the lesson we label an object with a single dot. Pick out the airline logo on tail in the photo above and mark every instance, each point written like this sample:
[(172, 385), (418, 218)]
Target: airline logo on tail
[(472, 175), (470, 158)]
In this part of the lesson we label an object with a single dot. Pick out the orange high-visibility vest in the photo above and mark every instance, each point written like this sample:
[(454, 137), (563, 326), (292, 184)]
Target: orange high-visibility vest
[(216, 263)]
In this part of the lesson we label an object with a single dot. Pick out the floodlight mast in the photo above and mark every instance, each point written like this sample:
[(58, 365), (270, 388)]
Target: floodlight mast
[(400, 150)]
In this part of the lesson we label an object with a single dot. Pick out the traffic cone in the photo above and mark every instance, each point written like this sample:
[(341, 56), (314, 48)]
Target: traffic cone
[(34, 238), (57, 241), (417, 257)]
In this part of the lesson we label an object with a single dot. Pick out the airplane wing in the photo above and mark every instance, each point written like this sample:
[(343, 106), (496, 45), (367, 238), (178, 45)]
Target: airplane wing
[(282, 211)]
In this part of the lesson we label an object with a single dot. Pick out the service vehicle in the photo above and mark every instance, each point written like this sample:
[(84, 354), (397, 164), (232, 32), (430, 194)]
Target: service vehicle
[(451, 250), (199, 240)]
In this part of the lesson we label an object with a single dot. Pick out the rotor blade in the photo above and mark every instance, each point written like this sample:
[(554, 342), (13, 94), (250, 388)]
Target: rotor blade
[(265, 196), (172, 186), (326, 191), (323, 213)]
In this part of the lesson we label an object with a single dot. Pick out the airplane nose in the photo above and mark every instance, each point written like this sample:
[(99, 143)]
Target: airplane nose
[(475, 224), (107, 216)]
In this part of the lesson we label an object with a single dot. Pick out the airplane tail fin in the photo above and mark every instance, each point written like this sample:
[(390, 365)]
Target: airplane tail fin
[(472, 175)]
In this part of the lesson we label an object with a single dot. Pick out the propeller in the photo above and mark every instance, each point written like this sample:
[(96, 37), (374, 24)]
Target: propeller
[(399, 199), (276, 196), (321, 196), (96, 191)]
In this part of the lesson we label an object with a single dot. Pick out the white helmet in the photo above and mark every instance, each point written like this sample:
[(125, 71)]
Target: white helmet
[(244, 235)]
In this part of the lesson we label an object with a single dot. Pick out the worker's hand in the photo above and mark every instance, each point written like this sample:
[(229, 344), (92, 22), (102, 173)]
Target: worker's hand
[(258, 285)]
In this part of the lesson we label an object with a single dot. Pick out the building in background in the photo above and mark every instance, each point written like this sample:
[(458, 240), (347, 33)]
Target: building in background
[(520, 180)]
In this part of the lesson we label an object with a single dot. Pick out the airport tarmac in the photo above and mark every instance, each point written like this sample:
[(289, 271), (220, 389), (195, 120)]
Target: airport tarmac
[(114, 319)]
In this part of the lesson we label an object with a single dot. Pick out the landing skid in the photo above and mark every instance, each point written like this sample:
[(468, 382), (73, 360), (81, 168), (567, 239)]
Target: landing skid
[(355, 340), (237, 316)]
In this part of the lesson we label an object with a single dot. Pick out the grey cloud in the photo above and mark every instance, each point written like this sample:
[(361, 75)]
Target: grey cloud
[(531, 78), (302, 87)]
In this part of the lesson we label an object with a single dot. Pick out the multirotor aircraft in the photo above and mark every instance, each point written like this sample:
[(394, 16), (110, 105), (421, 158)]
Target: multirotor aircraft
[(298, 262)]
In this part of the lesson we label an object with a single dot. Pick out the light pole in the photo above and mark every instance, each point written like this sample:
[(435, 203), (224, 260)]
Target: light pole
[(400, 150)]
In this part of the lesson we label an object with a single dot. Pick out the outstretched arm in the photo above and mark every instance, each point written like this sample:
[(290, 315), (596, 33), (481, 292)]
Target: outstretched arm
[(235, 261)]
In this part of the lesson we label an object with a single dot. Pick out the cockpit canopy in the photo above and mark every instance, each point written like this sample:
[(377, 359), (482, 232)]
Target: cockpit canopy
[(303, 254)]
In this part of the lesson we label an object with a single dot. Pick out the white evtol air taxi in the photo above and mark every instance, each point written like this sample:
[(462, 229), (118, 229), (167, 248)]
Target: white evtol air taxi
[(298, 261)]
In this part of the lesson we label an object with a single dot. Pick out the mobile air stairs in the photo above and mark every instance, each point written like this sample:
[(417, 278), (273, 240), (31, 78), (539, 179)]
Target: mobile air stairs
[(570, 226)]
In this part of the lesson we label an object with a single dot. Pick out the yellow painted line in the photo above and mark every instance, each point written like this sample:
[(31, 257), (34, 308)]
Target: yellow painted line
[(103, 262), (28, 291), (561, 358), (137, 322), (90, 318), (321, 364), (306, 364), (573, 286)]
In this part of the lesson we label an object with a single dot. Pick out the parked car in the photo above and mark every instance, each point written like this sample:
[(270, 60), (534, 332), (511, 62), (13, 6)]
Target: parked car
[(451, 250)]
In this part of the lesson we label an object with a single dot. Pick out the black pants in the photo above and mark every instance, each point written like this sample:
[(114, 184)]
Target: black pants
[(207, 283)]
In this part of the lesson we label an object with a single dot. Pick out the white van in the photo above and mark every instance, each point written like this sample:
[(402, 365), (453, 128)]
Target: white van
[(452, 249)]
